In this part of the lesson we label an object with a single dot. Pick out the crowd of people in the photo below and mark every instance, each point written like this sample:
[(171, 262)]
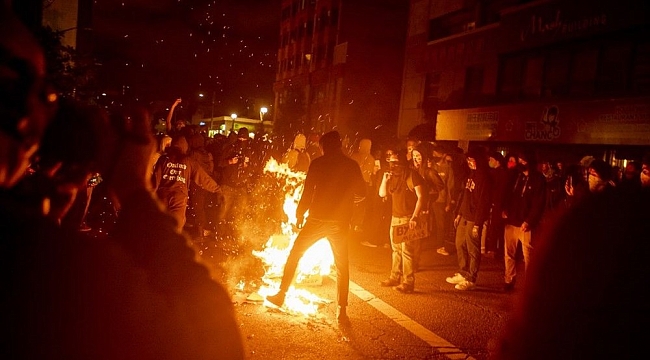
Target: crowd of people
[(142, 293), (477, 203)]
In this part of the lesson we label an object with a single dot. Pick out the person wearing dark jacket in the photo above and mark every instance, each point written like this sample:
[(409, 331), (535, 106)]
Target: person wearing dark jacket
[(172, 177), (332, 186), (501, 181), (473, 211), (199, 196), (237, 167), (432, 186), (137, 293), (522, 211)]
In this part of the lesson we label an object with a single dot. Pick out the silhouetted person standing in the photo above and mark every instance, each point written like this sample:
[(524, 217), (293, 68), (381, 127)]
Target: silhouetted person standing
[(333, 184)]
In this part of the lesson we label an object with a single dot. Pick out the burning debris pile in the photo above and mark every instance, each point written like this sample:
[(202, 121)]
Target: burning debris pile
[(314, 265)]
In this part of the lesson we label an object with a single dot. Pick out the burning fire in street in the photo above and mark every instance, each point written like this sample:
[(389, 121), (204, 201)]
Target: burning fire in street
[(313, 266)]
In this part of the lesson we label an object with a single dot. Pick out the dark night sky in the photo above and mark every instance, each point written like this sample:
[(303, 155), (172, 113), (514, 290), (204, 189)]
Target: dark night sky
[(165, 49)]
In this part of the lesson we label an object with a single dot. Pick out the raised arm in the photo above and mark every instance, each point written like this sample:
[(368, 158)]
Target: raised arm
[(168, 122)]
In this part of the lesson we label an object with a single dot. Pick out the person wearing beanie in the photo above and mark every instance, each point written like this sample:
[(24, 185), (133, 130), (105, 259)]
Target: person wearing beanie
[(332, 186), (473, 211), (523, 209)]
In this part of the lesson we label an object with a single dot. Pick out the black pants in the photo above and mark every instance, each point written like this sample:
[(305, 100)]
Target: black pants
[(337, 234)]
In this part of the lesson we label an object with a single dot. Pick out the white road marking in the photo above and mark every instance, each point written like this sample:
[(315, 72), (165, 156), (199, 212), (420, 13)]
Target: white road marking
[(441, 345)]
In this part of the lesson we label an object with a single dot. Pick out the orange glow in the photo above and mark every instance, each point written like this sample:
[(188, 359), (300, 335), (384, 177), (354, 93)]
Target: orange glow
[(315, 263)]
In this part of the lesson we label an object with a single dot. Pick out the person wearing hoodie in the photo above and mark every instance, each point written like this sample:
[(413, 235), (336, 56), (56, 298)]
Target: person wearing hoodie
[(297, 158), (366, 162), (172, 177), (473, 211), (523, 209)]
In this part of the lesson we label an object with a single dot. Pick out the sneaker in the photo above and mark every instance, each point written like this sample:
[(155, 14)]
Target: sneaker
[(368, 244), (404, 288), (465, 285), (277, 299), (456, 279), (389, 282), (442, 251)]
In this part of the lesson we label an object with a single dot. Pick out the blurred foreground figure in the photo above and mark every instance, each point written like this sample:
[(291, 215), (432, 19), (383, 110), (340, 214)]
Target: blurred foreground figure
[(583, 297), (138, 295)]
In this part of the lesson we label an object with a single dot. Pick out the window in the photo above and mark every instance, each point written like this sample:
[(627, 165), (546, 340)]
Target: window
[(613, 67), (556, 74), (473, 82), (533, 75), (432, 85), (583, 71), (511, 77), (334, 16), (641, 68)]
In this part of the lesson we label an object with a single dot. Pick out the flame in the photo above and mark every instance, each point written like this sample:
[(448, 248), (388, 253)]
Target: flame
[(315, 263)]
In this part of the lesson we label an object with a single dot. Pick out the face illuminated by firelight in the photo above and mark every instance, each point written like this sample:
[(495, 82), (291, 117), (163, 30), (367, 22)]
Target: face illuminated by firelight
[(417, 159)]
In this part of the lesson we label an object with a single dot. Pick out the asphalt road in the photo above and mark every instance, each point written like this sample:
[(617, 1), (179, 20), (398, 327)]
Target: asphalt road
[(435, 322)]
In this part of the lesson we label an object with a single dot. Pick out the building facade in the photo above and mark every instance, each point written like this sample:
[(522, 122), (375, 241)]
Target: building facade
[(510, 73), (340, 65)]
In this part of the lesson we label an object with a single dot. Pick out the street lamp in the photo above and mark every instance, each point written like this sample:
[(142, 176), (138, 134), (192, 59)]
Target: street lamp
[(233, 117), (263, 111), (202, 95)]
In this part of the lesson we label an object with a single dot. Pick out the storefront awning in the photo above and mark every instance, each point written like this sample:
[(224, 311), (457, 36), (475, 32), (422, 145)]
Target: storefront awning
[(598, 122)]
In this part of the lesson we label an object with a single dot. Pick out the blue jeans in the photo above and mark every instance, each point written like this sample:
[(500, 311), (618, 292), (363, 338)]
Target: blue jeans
[(402, 256), (337, 234), (468, 250)]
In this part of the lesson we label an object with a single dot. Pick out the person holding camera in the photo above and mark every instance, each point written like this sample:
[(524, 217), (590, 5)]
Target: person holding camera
[(405, 186)]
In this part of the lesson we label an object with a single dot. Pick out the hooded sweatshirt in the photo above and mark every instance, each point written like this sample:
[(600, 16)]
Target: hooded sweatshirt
[(365, 160), (176, 170), (476, 201)]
